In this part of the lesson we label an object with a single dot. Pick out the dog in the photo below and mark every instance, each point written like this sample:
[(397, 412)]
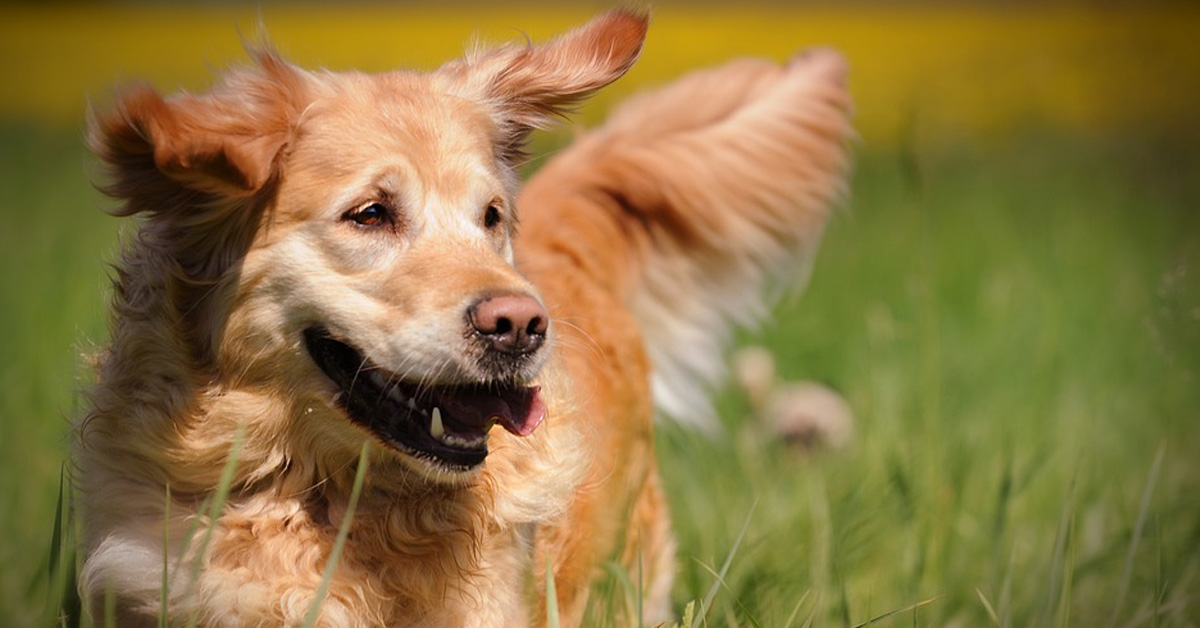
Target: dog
[(327, 271)]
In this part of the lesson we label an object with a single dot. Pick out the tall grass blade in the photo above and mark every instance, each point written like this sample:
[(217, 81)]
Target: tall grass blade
[(639, 603), (164, 593), (56, 540), (1138, 529), (552, 618), (110, 609), (1058, 556), (706, 604), (987, 606), (689, 614), (906, 609), (728, 612), (64, 594), (1005, 601), (621, 576), (335, 555), (812, 617), (796, 609), (214, 513)]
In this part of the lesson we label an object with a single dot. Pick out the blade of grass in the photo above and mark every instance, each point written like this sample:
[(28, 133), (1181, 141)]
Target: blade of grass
[(621, 577), (987, 606), (335, 554), (796, 609), (1005, 600), (193, 528), (164, 594), (1058, 556), (1068, 576), (552, 619), (706, 604), (906, 609), (214, 513), (720, 580), (1143, 509), (56, 540), (813, 615), (641, 586), (1160, 591), (689, 614), (64, 594), (110, 608)]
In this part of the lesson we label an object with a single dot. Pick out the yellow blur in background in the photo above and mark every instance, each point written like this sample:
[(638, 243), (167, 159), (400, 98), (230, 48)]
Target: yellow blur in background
[(955, 73)]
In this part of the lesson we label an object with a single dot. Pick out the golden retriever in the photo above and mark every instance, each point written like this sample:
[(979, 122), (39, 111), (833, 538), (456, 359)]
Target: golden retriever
[(326, 259)]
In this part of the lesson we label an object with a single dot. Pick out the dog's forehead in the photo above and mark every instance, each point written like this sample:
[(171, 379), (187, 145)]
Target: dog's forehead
[(361, 122)]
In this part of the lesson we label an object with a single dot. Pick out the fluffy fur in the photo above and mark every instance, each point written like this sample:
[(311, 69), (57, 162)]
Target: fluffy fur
[(644, 242)]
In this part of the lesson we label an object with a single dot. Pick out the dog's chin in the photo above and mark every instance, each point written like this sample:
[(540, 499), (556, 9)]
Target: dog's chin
[(444, 429)]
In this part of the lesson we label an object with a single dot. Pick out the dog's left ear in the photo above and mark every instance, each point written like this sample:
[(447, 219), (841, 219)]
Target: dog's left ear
[(526, 87)]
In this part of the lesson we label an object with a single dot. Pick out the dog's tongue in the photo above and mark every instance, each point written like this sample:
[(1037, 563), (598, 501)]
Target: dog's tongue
[(519, 410)]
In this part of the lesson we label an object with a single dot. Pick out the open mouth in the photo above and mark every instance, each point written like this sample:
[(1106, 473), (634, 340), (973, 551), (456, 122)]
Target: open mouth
[(444, 425)]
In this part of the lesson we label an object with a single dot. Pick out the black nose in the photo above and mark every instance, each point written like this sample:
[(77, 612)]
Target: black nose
[(511, 323)]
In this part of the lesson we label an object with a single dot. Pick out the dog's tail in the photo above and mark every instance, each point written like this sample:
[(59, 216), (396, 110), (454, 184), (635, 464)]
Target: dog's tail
[(700, 194)]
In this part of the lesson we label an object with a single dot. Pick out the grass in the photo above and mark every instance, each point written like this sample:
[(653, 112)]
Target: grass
[(1016, 323), (1019, 337)]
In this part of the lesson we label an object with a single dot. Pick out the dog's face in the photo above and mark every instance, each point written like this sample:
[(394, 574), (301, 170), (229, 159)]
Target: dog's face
[(363, 238), (390, 256)]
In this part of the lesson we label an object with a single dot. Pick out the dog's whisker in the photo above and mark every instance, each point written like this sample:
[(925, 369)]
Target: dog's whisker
[(589, 343)]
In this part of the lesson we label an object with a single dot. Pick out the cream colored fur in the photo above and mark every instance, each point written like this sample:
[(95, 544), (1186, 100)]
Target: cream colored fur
[(645, 241)]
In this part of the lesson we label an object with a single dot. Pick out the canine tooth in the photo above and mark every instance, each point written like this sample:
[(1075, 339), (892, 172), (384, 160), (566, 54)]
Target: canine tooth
[(436, 429), (411, 403), (394, 393)]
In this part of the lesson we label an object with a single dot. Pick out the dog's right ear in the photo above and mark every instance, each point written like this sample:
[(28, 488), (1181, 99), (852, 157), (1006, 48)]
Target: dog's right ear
[(223, 143), (196, 164)]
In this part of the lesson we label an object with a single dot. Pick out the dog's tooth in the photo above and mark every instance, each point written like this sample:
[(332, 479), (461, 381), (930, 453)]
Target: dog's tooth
[(376, 378), (394, 393), (411, 403), (456, 441), (436, 429)]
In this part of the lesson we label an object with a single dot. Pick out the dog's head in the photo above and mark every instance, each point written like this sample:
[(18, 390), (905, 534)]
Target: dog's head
[(344, 240)]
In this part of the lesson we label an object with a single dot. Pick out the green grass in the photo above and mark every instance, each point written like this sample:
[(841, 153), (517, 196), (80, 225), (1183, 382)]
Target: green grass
[(1018, 330), (1016, 325)]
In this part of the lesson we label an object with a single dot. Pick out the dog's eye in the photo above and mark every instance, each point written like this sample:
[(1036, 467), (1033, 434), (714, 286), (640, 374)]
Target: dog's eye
[(371, 215), (491, 217)]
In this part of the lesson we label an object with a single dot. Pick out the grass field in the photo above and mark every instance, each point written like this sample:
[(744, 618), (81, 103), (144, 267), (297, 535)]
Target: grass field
[(1011, 304)]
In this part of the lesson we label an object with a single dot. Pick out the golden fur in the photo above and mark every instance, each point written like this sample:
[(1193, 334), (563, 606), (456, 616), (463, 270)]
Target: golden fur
[(644, 241)]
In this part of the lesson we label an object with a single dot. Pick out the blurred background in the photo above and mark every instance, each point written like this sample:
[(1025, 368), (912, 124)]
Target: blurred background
[(1009, 302)]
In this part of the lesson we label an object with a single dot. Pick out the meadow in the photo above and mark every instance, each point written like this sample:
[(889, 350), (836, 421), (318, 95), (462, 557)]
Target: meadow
[(1009, 300)]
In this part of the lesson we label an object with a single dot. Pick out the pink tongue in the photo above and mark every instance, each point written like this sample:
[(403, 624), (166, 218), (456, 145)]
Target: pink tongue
[(519, 411)]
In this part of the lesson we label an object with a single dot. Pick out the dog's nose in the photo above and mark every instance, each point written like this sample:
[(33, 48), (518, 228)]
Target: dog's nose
[(513, 323)]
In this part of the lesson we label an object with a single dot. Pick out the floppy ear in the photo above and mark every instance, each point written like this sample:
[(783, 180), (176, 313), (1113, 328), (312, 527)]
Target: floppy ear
[(201, 165), (201, 144), (527, 86), (223, 143)]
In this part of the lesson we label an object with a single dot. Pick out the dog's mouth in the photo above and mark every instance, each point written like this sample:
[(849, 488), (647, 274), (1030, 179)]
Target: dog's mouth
[(444, 425)]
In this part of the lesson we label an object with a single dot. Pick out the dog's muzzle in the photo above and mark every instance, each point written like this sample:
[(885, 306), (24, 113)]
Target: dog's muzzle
[(446, 425)]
